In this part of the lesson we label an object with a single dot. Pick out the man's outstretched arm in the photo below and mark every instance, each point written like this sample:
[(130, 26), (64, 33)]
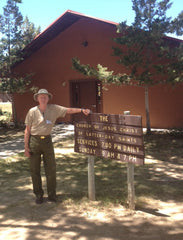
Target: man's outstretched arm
[(78, 110)]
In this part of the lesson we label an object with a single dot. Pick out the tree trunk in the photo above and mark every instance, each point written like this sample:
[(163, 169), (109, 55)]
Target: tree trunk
[(147, 110), (14, 111)]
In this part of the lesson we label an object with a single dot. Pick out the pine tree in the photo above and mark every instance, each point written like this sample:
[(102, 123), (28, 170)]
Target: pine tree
[(28, 32), (16, 33), (148, 56), (10, 23)]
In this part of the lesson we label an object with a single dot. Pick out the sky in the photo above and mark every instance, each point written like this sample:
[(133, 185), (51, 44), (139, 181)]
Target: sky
[(43, 12)]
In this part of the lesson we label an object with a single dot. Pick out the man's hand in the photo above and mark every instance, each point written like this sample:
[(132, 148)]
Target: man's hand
[(27, 152), (86, 111)]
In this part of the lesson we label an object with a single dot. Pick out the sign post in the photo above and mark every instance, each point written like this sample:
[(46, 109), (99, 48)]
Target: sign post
[(131, 189), (91, 178), (130, 180)]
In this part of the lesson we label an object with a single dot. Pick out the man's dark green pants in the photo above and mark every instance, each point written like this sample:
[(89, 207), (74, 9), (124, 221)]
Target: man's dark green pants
[(43, 149)]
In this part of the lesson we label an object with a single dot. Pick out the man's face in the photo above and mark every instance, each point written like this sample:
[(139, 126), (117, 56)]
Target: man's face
[(43, 99)]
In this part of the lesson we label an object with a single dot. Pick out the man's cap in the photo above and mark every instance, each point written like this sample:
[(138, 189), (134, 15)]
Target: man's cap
[(42, 91)]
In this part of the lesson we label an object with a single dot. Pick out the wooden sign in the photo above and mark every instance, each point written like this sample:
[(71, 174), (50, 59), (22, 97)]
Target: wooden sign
[(118, 137)]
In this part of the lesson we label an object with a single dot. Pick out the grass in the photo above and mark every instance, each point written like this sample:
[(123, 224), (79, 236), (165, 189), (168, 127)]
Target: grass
[(7, 134), (165, 146), (6, 107), (5, 113), (160, 178)]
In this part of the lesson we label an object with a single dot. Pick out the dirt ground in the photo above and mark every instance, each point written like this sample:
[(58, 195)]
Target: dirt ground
[(22, 219), (153, 219)]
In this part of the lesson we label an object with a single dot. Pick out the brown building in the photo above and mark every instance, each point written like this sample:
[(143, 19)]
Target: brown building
[(49, 56)]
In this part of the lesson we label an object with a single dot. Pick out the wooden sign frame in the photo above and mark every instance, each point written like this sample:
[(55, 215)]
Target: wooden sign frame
[(118, 137)]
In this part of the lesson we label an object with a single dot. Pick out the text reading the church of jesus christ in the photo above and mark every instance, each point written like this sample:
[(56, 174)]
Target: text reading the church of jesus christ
[(118, 137)]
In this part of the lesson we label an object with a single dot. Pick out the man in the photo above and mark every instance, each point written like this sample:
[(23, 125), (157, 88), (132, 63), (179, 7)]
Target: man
[(39, 123)]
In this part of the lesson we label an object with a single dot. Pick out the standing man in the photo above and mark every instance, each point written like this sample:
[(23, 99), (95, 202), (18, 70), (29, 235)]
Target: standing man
[(39, 123)]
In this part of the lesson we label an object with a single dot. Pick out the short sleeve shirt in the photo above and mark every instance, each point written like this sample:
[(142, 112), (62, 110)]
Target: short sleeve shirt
[(42, 124)]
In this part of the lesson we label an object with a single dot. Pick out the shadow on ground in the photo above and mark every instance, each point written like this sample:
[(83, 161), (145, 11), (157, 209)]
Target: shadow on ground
[(158, 187)]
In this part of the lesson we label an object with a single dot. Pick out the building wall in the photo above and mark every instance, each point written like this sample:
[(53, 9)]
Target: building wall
[(52, 68), (164, 103)]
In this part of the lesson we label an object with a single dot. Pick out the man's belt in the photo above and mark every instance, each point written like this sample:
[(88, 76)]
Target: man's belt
[(42, 137)]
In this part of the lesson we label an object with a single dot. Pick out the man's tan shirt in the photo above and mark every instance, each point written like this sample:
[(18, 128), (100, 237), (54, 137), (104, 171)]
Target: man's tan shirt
[(42, 124)]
